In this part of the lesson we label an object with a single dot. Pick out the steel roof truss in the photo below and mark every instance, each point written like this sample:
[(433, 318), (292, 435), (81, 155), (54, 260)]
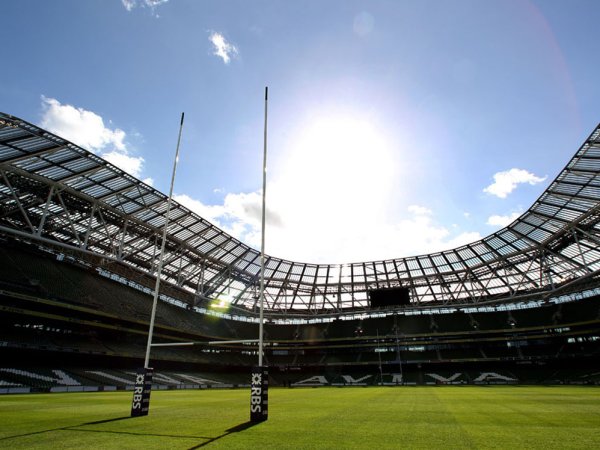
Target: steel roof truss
[(18, 201)]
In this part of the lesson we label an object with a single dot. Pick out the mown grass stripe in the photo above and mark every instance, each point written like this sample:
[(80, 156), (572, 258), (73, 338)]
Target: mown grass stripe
[(323, 418)]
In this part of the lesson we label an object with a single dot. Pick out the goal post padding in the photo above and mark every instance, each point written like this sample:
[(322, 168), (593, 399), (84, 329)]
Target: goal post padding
[(259, 394), (140, 404)]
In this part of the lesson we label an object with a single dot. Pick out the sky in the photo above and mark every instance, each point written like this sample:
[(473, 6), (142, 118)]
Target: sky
[(395, 128)]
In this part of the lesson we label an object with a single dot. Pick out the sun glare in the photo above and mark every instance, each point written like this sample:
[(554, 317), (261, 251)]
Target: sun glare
[(339, 162), (221, 302), (335, 180)]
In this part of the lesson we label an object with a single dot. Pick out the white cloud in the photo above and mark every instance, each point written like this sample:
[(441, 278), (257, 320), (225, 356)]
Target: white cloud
[(460, 240), (130, 164), (128, 4), (222, 48), (87, 129), (79, 126), (210, 213), (419, 210), (502, 221), (331, 239), (419, 234), (239, 215), (506, 182), (152, 4)]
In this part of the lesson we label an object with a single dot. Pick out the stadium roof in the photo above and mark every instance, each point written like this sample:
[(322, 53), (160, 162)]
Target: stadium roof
[(59, 194)]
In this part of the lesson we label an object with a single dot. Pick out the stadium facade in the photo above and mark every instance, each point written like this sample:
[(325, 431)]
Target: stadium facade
[(80, 241)]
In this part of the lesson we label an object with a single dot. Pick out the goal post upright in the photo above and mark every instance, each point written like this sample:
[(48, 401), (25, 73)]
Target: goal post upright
[(140, 404), (259, 401), (262, 240)]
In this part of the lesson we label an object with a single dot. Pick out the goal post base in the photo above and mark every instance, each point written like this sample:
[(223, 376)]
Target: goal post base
[(259, 394), (140, 404)]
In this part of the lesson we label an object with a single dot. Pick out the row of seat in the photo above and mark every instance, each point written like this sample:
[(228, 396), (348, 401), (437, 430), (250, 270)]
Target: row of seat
[(46, 379)]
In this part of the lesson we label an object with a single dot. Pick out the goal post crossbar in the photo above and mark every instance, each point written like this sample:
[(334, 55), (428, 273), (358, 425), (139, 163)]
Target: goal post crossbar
[(176, 344)]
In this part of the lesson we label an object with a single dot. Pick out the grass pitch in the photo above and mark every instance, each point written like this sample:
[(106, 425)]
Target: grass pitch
[(505, 417)]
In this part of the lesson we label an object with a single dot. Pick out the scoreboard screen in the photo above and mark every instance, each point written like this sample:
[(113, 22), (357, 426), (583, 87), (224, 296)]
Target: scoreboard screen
[(394, 296)]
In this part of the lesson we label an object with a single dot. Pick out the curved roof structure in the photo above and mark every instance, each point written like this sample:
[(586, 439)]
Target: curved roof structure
[(54, 192)]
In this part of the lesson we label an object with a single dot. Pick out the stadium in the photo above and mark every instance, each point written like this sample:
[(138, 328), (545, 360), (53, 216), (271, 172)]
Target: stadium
[(80, 249)]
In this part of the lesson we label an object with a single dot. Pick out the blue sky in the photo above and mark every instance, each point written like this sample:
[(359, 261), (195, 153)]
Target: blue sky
[(395, 127)]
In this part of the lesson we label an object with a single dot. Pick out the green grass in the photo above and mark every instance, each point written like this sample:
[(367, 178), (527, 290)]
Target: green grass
[(503, 417)]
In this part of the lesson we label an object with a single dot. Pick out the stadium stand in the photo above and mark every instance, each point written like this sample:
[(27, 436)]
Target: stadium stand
[(56, 320), (78, 258)]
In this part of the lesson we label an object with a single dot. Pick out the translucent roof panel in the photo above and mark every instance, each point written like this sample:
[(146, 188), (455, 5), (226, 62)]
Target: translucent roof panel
[(58, 193)]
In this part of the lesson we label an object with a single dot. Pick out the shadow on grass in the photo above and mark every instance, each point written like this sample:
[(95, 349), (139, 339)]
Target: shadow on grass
[(208, 440), (104, 421), (236, 429), (33, 433)]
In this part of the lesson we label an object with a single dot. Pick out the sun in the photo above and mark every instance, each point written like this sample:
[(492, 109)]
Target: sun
[(335, 179), (342, 160)]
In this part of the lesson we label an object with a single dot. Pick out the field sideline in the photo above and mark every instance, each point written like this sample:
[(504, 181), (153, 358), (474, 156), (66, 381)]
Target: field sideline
[(506, 417)]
